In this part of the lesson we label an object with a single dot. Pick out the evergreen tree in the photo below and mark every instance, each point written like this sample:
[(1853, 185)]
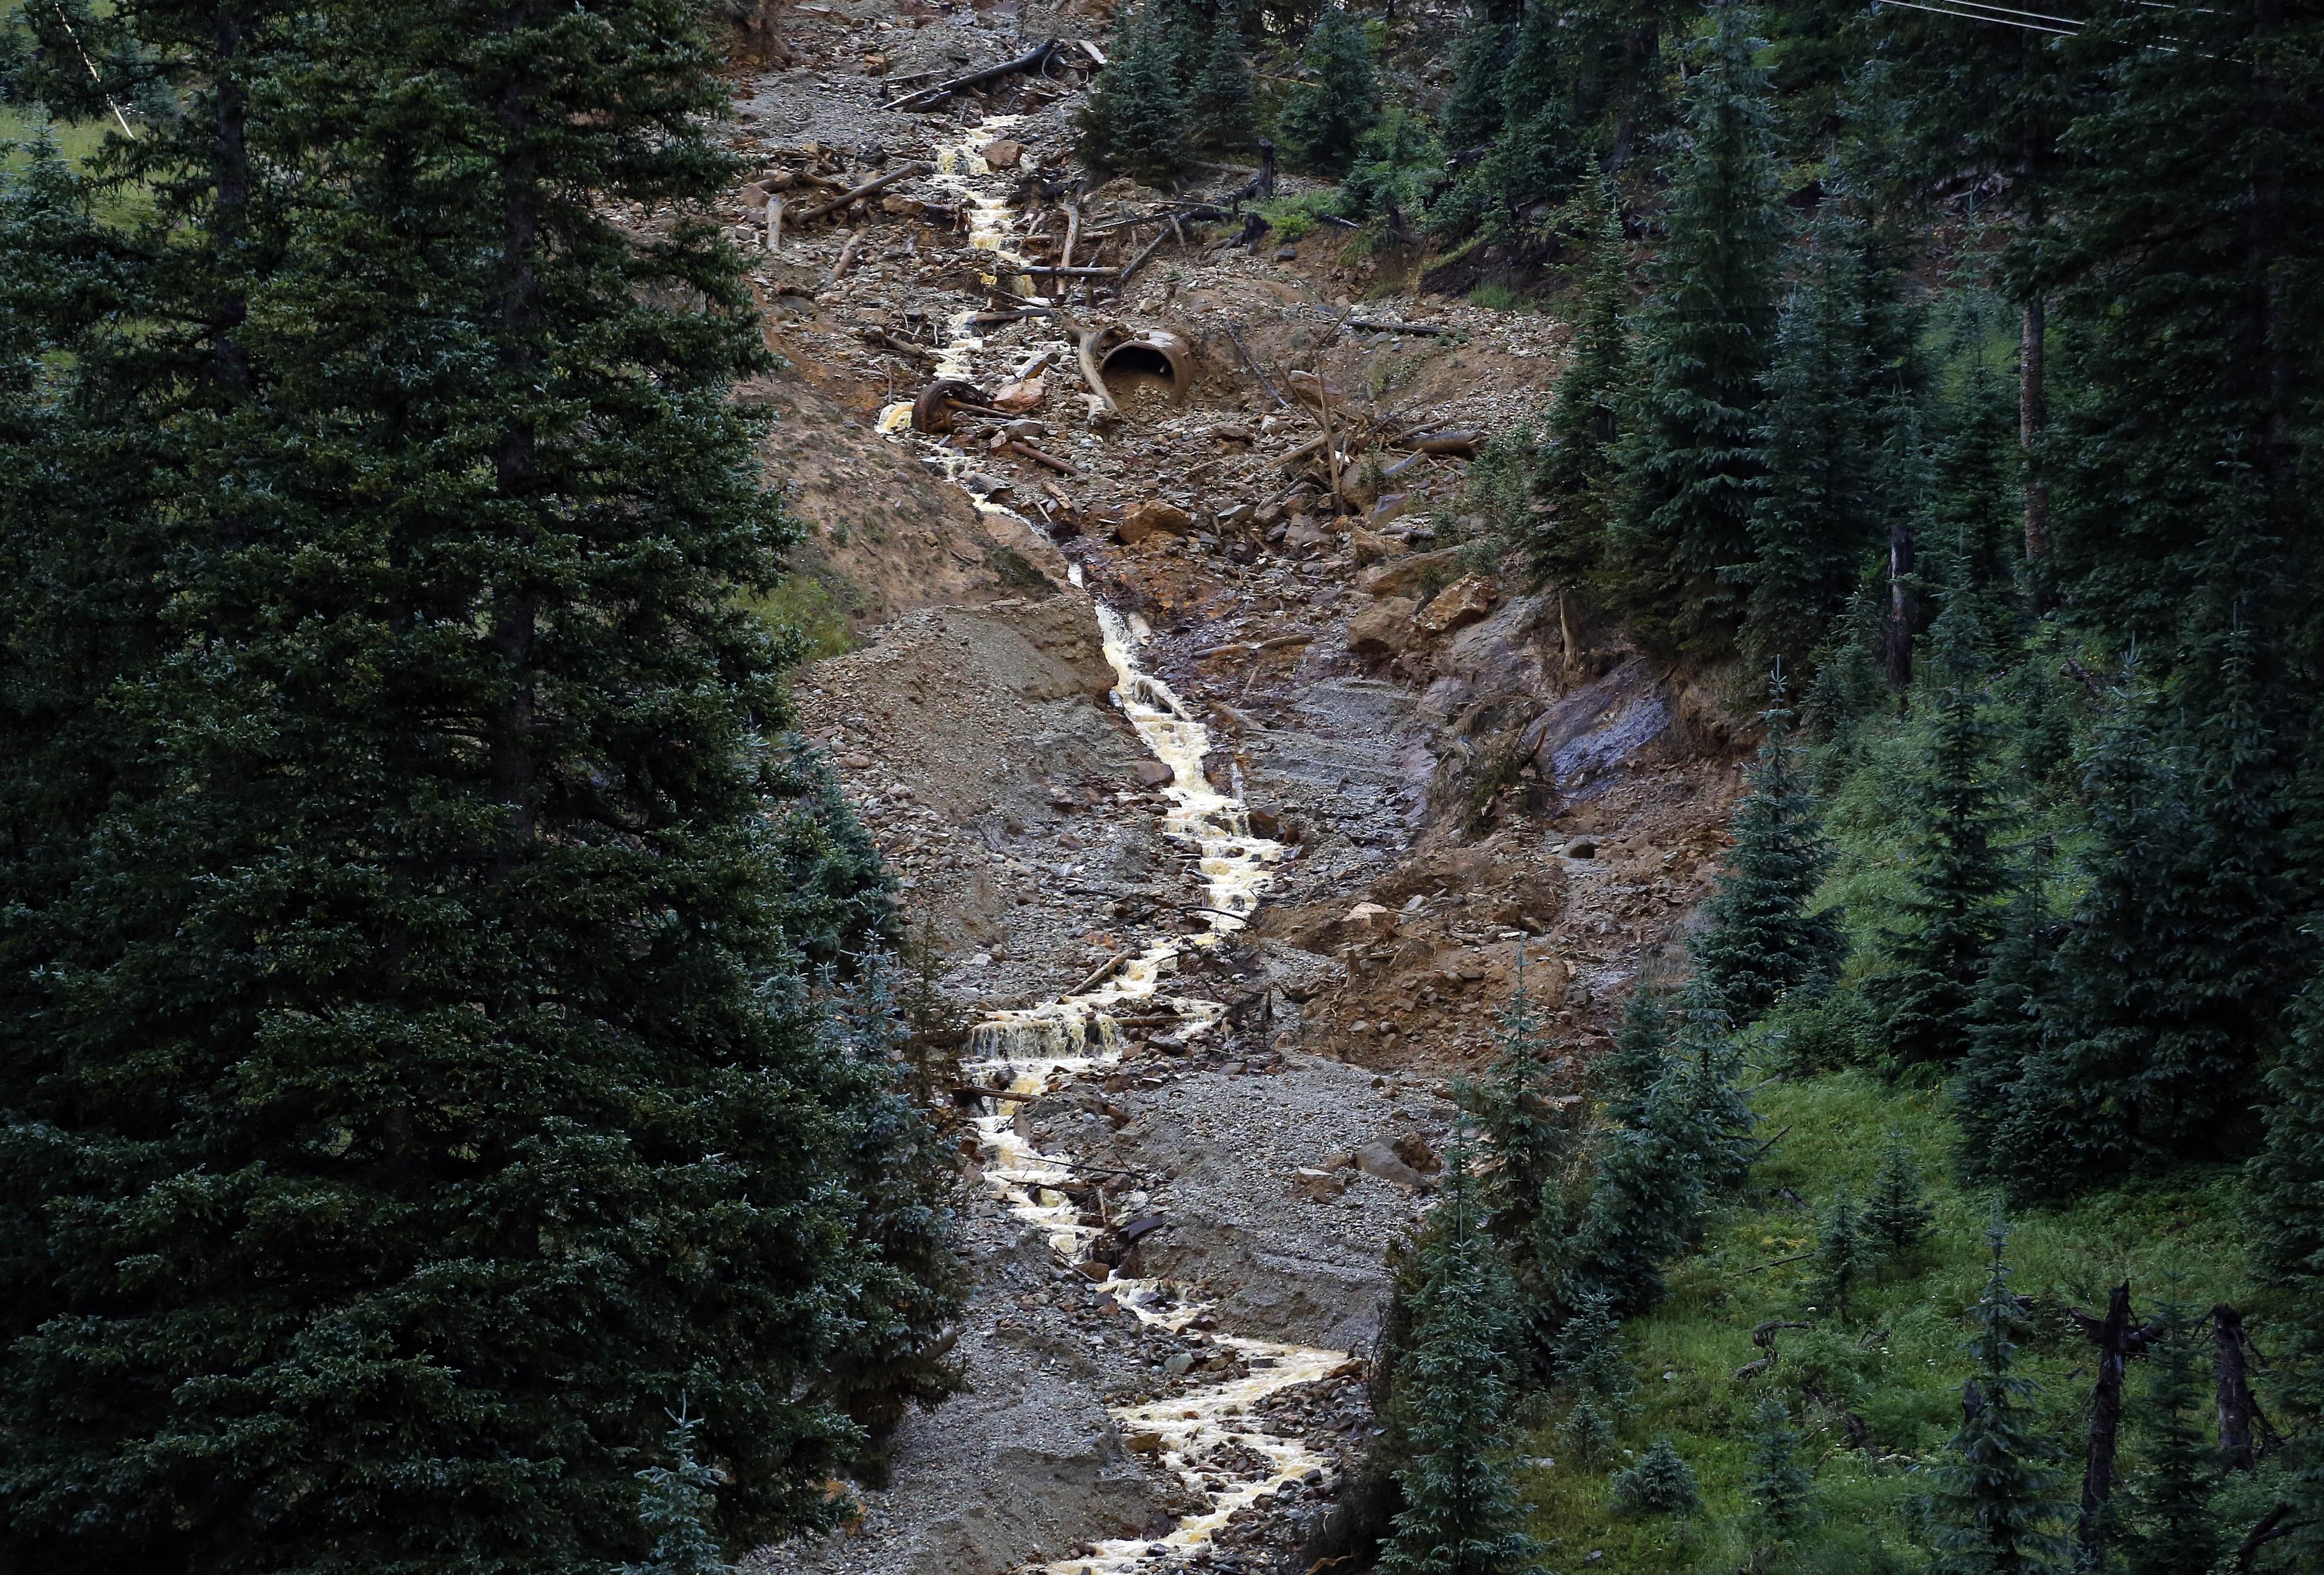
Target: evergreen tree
[(1692, 456), (1897, 1218), (2173, 1527), (2286, 1225), (1661, 1483), (676, 1508), (419, 1086), (1395, 165), (1135, 117), (1337, 100), (1461, 1513), (1577, 476), (1782, 1486), (1759, 943), (1535, 1129), (1218, 106), (1998, 1142), (2170, 978), (1473, 112), (1640, 1051), (1841, 1256), (1813, 519), (1591, 1369), (1927, 986), (1995, 1504)]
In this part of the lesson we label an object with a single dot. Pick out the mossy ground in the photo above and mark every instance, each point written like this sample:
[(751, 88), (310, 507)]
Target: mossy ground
[(1894, 1360)]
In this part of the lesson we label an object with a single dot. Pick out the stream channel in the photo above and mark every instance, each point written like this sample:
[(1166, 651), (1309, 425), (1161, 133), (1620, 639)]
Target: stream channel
[(1040, 1049)]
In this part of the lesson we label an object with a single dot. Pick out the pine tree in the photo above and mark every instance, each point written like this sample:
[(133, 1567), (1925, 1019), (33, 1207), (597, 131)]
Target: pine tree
[(1782, 1486), (1950, 919), (1994, 1503), (1997, 1142), (1135, 117), (1577, 476), (2286, 1226), (2171, 1523), (1759, 943), (1661, 1483), (1813, 518), (1590, 1367), (1841, 1258), (1897, 1218), (1337, 99), (1534, 1128), (676, 1508), (1218, 106), (1461, 1513), (422, 1086), (1692, 456)]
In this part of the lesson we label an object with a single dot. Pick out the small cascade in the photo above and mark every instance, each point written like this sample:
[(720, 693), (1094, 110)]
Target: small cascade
[(1035, 1050)]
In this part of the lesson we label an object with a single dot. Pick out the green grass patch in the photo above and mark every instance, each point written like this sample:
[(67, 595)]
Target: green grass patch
[(806, 608), (1293, 217), (1494, 296), (1893, 1361)]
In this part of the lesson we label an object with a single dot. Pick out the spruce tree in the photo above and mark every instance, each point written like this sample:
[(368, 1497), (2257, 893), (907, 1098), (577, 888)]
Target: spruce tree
[(1135, 117), (2171, 976), (1691, 456), (1813, 518), (1535, 1128), (1995, 1506), (676, 1506), (2172, 1525), (2286, 1226), (1578, 474), (1758, 942), (1218, 106), (1337, 99), (1590, 1367), (1461, 1513), (1474, 110), (1950, 917), (1661, 1483), (1640, 1050), (1782, 1486), (1999, 1144), (421, 1086), (1841, 1257), (1897, 1218)]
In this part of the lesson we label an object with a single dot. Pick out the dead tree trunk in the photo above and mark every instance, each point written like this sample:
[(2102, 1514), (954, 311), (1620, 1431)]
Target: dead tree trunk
[(2240, 1420), (2117, 1341)]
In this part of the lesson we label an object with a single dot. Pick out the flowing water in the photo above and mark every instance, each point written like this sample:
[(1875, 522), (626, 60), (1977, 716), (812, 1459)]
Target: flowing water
[(1039, 1049)]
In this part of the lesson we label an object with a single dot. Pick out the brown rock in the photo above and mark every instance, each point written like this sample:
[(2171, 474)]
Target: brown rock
[(1153, 773), (1003, 154), (1143, 1444), (1389, 509), (1414, 1150), (1303, 533), (1141, 521), (1402, 576), (1017, 397), (1321, 1186), (754, 195), (1459, 604), (1370, 546), (1382, 628)]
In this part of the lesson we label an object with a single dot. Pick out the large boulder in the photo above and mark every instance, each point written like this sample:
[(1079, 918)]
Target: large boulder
[(1382, 628), (1402, 576), (1465, 601), (1153, 518)]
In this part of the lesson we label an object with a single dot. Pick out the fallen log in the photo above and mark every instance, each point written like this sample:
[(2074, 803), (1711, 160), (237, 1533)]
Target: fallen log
[(1460, 443), (1060, 271), (1085, 338), (880, 339), (927, 97), (1018, 445), (1138, 262), (1385, 326), (871, 187)]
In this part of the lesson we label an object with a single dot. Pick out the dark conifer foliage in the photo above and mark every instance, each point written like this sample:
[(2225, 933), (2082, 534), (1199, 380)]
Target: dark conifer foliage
[(1813, 519), (1336, 102), (1473, 112), (417, 1089), (2168, 1514), (1706, 339), (1578, 476), (2286, 1222), (1897, 1218), (1783, 1486), (1995, 1504), (1217, 105), (1660, 1483), (1950, 919), (1135, 118), (1759, 943), (1455, 1388)]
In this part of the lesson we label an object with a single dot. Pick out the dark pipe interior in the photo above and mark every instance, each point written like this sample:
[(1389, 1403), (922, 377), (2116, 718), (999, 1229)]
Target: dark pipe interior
[(1140, 359)]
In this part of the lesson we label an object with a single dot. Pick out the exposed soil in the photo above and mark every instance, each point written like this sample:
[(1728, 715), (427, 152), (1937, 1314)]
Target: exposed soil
[(1469, 778)]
